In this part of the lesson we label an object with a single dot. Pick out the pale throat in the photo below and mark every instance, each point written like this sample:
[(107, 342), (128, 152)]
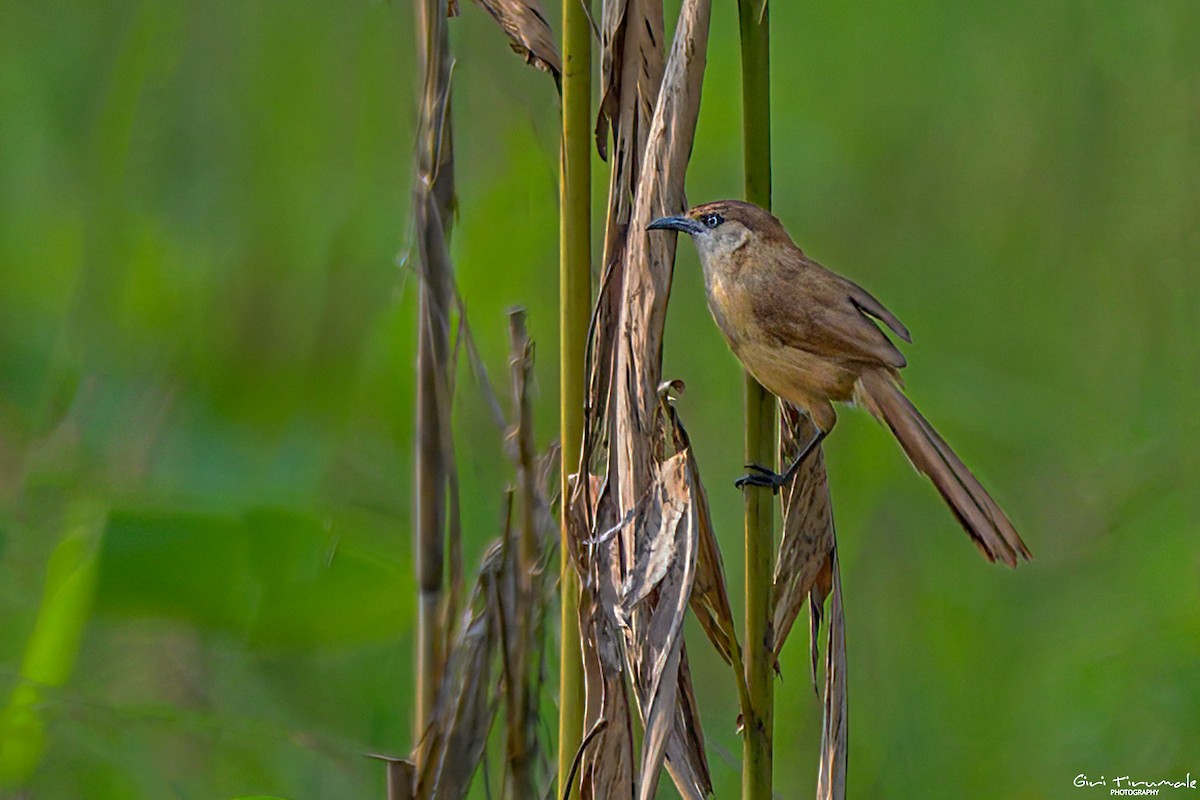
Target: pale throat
[(714, 251)]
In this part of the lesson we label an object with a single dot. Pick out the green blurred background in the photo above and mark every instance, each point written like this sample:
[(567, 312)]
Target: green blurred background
[(206, 357)]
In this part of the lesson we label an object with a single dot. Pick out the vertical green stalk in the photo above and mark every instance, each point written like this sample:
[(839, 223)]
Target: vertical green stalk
[(574, 303), (760, 427)]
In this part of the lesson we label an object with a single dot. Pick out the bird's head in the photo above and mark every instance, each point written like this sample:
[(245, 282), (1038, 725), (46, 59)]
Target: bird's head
[(721, 228)]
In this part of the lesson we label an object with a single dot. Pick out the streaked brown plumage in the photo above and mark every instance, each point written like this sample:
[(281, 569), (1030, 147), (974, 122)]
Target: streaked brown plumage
[(808, 336)]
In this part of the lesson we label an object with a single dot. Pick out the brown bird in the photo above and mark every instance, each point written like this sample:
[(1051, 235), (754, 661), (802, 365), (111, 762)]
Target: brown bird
[(808, 335)]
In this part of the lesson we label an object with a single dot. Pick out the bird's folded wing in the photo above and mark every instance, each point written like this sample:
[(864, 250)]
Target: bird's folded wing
[(826, 314)]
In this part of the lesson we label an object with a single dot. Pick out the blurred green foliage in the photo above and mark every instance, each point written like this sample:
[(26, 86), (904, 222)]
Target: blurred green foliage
[(206, 338)]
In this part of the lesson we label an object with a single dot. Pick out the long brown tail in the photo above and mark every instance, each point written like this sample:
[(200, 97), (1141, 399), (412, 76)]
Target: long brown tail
[(976, 510)]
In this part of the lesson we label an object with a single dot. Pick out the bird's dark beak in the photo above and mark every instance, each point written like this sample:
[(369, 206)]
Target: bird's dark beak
[(678, 223)]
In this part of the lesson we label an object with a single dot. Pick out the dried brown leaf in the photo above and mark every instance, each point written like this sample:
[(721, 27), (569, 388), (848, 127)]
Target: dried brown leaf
[(401, 775), (465, 706), (710, 594), (650, 260), (654, 628), (644, 529), (831, 774), (807, 539), (528, 32), (631, 69), (667, 514), (606, 764), (656, 543), (686, 760), (504, 624), (520, 594)]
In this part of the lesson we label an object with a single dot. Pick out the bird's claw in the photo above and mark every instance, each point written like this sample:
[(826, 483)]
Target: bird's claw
[(760, 477)]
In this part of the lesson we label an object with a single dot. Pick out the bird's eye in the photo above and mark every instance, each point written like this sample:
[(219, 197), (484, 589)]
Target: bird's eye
[(712, 220)]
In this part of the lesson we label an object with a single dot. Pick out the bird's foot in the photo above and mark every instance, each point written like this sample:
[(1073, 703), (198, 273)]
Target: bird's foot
[(761, 476)]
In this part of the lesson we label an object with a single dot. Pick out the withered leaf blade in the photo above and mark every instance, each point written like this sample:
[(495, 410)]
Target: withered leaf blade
[(630, 73), (654, 636), (649, 261), (645, 585), (528, 32), (607, 763), (660, 516), (831, 774), (687, 763), (658, 649), (710, 594), (607, 760), (522, 594), (401, 775), (465, 708), (807, 539), (631, 69)]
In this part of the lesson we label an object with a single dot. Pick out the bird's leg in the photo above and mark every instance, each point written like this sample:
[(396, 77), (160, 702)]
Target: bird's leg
[(761, 476)]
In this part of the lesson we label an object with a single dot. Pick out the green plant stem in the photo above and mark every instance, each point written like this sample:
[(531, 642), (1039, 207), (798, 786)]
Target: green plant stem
[(574, 302), (760, 428)]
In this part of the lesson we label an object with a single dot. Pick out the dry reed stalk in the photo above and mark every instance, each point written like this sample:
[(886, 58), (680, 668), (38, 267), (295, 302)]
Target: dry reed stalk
[(523, 600), (606, 764), (433, 205), (630, 74)]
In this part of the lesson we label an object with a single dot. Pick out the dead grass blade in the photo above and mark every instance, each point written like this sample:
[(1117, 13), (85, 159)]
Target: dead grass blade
[(631, 70), (466, 704), (496, 650), (650, 261), (528, 32), (505, 625), (656, 555), (807, 540), (521, 592), (667, 534), (807, 568), (640, 530), (831, 774), (607, 761), (647, 280), (710, 594), (401, 775), (606, 757), (433, 206), (687, 763)]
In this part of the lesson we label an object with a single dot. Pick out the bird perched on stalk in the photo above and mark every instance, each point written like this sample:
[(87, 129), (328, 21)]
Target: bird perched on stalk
[(808, 335)]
